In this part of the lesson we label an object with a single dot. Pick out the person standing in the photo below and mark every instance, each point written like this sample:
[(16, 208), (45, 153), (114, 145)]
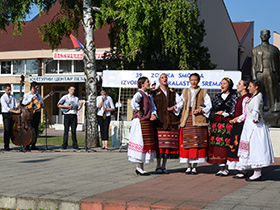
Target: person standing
[(223, 107), (193, 141), (71, 103), (28, 98), (255, 149), (141, 146), (168, 105), (105, 106), (238, 122), (8, 105)]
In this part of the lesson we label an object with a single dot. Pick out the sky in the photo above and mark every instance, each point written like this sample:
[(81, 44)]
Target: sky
[(265, 13)]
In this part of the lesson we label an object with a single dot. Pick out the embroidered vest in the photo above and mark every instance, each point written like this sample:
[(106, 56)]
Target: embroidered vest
[(145, 107), (198, 100)]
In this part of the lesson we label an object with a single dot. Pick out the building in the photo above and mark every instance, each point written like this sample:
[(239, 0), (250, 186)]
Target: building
[(229, 44)]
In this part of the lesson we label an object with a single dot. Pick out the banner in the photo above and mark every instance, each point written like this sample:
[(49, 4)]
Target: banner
[(53, 79), (209, 79)]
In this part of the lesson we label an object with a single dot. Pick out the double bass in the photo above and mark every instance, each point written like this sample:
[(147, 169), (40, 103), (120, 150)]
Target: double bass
[(23, 133)]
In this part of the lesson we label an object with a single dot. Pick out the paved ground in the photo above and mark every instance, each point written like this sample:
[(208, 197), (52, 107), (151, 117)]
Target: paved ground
[(75, 180)]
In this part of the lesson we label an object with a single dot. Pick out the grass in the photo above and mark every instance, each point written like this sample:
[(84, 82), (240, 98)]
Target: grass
[(58, 140)]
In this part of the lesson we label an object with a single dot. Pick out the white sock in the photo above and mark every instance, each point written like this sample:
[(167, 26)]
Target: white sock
[(257, 174), (194, 170), (188, 170)]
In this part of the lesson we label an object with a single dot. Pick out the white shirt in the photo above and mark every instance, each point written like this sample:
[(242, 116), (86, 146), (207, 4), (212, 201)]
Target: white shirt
[(135, 102), (28, 98), (66, 99), (178, 103), (207, 102), (108, 103), (8, 103), (224, 96)]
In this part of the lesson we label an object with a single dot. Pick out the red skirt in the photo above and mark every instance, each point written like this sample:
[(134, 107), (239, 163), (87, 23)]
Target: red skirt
[(148, 135), (168, 143), (193, 141)]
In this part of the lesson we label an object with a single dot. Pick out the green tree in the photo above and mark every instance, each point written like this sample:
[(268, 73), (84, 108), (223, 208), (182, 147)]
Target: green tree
[(156, 34)]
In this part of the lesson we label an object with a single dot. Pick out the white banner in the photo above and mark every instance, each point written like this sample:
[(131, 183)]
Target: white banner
[(209, 79), (68, 55)]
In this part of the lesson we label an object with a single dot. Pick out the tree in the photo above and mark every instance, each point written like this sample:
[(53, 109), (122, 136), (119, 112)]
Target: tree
[(157, 34)]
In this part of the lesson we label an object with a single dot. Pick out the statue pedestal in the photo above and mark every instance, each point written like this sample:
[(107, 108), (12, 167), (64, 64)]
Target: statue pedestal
[(275, 140), (272, 119)]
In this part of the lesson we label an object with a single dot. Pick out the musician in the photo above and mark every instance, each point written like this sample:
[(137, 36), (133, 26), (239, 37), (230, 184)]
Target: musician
[(9, 104), (28, 98), (70, 116)]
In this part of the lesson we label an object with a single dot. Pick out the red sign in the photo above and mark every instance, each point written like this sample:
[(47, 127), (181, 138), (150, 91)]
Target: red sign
[(68, 56)]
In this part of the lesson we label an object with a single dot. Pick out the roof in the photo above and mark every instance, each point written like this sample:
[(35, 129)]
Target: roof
[(31, 40), (242, 28)]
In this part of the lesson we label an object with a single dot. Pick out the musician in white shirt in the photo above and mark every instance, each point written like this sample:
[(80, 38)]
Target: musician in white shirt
[(27, 99), (105, 106), (8, 105), (70, 116)]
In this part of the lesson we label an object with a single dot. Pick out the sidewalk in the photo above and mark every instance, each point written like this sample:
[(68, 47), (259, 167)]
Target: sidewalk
[(106, 180)]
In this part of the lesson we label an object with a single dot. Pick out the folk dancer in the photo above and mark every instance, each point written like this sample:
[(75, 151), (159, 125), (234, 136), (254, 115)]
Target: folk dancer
[(223, 107), (193, 141), (168, 105), (238, 122), (8, 106), (70, 116), (255, 149), (141, 147)]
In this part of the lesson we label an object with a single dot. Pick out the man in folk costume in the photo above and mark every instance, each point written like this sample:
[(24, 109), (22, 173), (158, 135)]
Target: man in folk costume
[(141, 147), (193, 140), (168, 105)]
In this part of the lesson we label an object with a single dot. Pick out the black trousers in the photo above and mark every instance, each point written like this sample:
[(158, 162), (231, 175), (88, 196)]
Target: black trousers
[(8, 128), (35, 124), (70, 120), (104, 127)]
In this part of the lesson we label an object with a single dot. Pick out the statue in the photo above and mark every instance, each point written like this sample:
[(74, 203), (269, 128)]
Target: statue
[(265, 67)]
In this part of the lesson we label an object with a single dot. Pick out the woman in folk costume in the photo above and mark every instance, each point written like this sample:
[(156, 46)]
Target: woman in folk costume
[(193, 141), (255, 149), (141, 147), (223, 107), (238, 122), (168, 104)]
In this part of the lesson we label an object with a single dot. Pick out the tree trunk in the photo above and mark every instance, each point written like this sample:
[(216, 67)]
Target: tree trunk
[(90, 75)]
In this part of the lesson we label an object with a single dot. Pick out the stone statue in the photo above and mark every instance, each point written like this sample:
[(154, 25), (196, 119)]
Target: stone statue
[(265, 67)]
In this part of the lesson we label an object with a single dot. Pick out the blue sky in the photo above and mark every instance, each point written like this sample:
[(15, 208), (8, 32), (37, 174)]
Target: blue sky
[(265, 13)]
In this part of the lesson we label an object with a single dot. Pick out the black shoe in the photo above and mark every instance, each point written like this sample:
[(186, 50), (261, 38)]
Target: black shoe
[(27, 148), (102, 147), (77, 148), (63, 147), (8, 149), (164, 171), (141, 174), (34, 148), (253, 180), (159, 170)]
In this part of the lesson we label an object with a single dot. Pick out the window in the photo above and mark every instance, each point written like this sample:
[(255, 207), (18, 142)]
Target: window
[(32, 66), (6, 67), (51, 66), (65, 67), (16, 91), (79, 66), (18, 67)]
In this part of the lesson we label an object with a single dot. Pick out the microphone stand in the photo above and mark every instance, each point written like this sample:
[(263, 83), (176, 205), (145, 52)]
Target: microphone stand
[(46, 127)]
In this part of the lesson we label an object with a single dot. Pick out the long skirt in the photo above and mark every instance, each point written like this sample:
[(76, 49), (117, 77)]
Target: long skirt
[(141, 146), (193, 143), (168, 143), (219, 140), (259, 151), (232, 158)]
